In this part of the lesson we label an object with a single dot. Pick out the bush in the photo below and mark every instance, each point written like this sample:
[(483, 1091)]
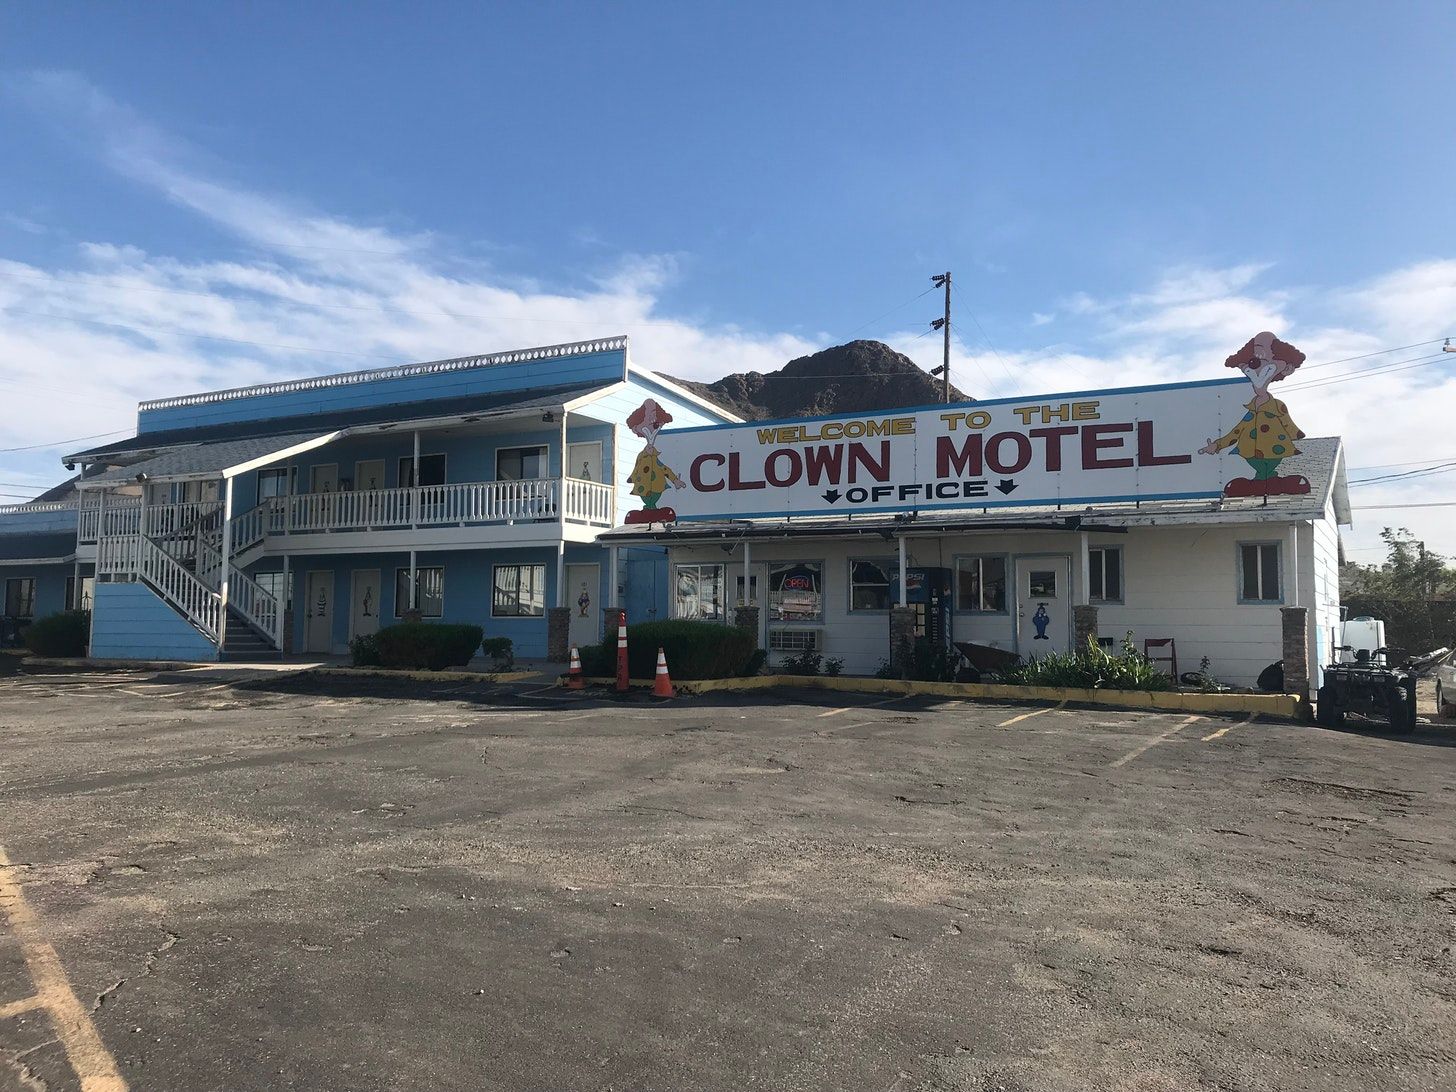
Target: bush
[(364, 650), (502, 652), (695, 650), (64, 634), (434, 646), (1092, 667), (807, 662)]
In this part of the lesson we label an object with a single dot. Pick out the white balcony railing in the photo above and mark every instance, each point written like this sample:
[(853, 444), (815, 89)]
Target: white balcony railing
[(427, 506), (118, 516)]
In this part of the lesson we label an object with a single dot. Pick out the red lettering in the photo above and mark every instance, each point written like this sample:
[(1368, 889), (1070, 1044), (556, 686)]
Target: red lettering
[(956, 462), (1053, 437), (696, 477), (1145, 449), (770, 467), (859, 456), (824, 464), (735, 481), (993, 453), (1095, 440)]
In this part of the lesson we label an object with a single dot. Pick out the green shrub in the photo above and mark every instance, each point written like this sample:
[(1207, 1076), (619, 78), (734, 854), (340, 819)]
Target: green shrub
[(932, 662), (755, 663), (435, 646), (807, 662), (63, 634), (695, 650), (1092, 667), (502, 652), (364, 650)]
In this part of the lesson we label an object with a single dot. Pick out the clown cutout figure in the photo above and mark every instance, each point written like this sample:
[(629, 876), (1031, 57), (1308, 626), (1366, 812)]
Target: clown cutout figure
[(649, 477), (1265, 437)]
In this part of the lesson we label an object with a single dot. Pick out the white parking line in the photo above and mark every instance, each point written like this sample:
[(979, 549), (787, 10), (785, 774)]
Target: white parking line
[(1229, 728), (1028, 716), (1162, 738), (833, 712)]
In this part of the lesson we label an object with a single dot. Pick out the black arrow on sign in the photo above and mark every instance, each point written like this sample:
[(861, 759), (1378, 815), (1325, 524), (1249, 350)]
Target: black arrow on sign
[(1007, 486), (831, 495)]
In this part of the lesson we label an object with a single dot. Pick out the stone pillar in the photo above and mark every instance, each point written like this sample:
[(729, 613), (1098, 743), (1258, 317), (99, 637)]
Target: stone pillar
[(902, 639), (1084, 625), (609, 624), (746, 618), (558, 634), (288, 630), (1296, 650)]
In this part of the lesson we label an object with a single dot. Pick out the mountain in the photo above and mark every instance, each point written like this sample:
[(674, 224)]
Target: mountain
[(852, 378)]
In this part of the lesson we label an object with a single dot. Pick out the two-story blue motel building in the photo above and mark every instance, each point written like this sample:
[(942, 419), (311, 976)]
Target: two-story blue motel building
[(290, 517)]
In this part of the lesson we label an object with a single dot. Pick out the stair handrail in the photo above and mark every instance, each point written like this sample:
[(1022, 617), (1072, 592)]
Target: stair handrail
[(259, 606), (177, 584)]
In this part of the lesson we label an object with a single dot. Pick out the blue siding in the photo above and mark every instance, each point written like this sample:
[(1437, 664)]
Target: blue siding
[(62, 519), (50, 585), (130, 622), (604, 367)]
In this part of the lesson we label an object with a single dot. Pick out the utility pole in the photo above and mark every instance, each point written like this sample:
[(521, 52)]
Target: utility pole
[(943, 325)]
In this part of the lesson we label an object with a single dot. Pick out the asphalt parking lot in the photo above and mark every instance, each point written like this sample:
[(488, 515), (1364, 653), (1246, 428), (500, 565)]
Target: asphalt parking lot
[(455, 887)]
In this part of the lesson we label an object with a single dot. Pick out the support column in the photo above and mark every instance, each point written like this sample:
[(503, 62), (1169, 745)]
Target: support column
[(558, 634), (414, 506), (287, 608), (413, 614), (1084, 625), (748, 599), (902, 637), (561, 488), (904, 585), (226, 549), (1295, 626), (612, 578), (1084, 570), (561, 573)]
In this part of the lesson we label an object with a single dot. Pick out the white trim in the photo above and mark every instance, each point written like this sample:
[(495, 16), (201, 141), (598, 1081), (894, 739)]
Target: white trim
[(685, 394), (282, 455), (583, 401), (37, 506), (495, 461), (601, 459), (7, 562)]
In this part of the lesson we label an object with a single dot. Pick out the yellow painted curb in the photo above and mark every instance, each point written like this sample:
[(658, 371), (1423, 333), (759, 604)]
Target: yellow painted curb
[(427, 676), (117, 665), (1272, 705)]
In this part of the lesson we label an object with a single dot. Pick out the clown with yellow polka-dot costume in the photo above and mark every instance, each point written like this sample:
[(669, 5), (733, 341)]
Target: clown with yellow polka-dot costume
[(1265, 436)]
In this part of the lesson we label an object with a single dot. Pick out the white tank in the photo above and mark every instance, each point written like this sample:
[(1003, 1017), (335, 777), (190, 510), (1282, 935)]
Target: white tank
[(1366, 633)]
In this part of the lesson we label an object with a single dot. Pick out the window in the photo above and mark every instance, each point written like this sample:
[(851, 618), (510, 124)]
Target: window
[(276, 586), (20, 597), (429, 592), (272, 483), (432, 470), (1259, 573), (1104, 574), (981, 584), (796, 591), (874, 583), (698, 591), (519, 464), (1041, 583), (88, 585), (519, 592)]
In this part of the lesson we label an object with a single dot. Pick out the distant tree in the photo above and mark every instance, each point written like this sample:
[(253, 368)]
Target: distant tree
[(1410, 571)]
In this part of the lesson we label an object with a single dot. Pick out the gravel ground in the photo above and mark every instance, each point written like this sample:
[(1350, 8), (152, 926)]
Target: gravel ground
[(409, 886)]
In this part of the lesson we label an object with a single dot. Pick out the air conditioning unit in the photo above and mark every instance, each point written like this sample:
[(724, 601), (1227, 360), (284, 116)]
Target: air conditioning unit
[(795, 640)]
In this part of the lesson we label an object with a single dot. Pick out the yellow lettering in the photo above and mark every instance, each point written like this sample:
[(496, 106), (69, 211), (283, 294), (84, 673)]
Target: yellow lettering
[(766, 435), (1026, 413), (978, 419), (951, 420), (1085, 411), (902, 426)]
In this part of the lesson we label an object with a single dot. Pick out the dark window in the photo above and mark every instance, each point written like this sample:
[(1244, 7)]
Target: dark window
[(429, 592), (874, 583), (519, 464), (1259, 572), (1105, 575), (432, 470), (519, 591), (20, 597), (981, 584), (275, 585), (272, 483), (796, 591)]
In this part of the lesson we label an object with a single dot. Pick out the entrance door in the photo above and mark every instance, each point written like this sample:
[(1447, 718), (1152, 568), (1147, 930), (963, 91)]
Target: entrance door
[(583, 585), (364, 602), (320, 609), (1043, 605), (368, 475), (324, 479), (584, 461)]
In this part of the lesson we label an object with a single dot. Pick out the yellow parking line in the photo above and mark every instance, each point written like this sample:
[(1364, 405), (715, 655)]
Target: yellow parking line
[(1028, 716), (15, 1008), (88, 1055), (832, 712), (1162, 738), (1227, 728)]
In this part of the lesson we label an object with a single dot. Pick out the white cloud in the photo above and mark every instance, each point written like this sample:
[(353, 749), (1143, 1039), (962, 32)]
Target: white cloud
[(81, 343)]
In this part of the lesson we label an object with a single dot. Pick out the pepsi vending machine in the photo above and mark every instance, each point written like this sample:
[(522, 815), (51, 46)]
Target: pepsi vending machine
[(929, 592)]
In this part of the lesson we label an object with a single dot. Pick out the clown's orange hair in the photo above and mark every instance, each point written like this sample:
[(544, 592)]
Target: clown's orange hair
[(1287, 355)]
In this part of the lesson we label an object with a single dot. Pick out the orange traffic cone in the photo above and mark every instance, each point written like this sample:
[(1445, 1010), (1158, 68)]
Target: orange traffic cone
[(662, 684), (575, 680)]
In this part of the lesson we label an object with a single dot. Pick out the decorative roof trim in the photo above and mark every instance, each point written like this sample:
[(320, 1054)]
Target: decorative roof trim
[(32, 506), (398, 371)]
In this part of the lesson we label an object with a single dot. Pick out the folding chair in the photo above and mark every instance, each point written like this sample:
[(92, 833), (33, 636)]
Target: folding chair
[(1171, 659)]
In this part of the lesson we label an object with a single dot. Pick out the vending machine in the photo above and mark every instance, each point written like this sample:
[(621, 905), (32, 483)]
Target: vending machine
[(929, 591)]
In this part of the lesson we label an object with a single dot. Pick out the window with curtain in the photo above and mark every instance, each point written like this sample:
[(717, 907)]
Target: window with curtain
[(1104, 574), (874, 583), (796, 591), (519, 464), (429, 592), (981, 584), (1259, 573), (698, 591), (518, 591), (20, 597)]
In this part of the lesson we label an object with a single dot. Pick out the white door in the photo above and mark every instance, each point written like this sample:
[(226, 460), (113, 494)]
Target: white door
[(368, 475), (324, 479), (364, 602), (583, 588), (320, 610), (584, 461), (1043, 605)]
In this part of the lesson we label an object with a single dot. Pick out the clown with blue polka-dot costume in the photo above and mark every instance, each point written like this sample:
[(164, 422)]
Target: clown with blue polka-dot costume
[(1265, 436)]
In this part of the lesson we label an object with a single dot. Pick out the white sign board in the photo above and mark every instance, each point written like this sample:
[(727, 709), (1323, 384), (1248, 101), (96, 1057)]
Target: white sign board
[(1140, 443)]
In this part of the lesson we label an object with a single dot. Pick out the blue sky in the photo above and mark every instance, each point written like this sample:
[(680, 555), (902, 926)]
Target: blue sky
[(1122, 190)]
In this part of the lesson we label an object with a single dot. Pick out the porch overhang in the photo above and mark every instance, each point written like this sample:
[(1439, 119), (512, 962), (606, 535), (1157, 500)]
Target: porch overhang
[(206, 462)]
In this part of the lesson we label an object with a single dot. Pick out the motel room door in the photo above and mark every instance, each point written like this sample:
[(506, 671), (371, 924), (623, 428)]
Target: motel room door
[(319, 636), (1043, 605), (583, 588), (584, 460), (364, 591)]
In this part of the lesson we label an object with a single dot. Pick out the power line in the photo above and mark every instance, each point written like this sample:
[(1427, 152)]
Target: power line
[(58, 443), (1382, 507), (887, 314), (1406, 365), (1004, 366), (1386, 479)]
